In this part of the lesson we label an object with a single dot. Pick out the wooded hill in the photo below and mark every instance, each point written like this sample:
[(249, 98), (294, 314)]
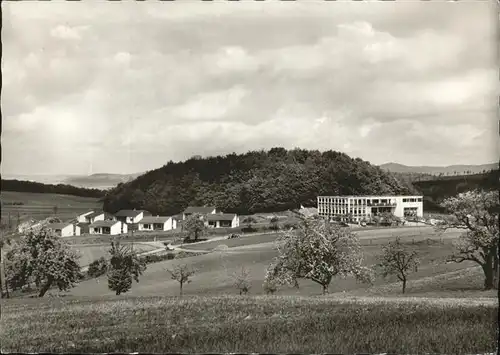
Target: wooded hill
[(37, 187), (258, 181), (440, 188)]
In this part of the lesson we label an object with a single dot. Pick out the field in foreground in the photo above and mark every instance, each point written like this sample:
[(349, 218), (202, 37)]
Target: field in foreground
[(250, 324)]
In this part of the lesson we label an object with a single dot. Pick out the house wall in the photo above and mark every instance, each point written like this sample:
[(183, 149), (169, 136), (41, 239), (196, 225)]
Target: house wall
[(67, 231), (99, 217), (117, 228), (77, 230), (81, 218)]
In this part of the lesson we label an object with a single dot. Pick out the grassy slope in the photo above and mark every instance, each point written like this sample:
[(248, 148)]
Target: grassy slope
[(89, 253), (250, 324), (215, 270), (40, 205)]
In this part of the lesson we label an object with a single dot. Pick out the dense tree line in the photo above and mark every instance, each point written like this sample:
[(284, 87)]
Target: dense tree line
[(438, 189), (263, 181), (37, 187)]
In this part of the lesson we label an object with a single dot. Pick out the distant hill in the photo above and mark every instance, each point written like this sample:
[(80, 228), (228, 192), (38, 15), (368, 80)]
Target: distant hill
[(436, 170), (101, 181), (37, 187), (258, 181)]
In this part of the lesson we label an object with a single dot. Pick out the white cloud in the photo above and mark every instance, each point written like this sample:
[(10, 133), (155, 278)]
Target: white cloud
[(380, 83), (65, 32)]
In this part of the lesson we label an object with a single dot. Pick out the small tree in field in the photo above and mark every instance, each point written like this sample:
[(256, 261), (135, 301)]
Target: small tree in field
[(123, 266), (476, 212), (318, 251), (181, 273), (397, 260), (242, 281), (43, 259), (194, 226), (274, 223)]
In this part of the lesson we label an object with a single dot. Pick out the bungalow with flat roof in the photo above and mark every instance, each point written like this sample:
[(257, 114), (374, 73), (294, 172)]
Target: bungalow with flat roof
[(222, 220), (108, 227), (64, 229), (158, 223), (130, 216), (201, 210)]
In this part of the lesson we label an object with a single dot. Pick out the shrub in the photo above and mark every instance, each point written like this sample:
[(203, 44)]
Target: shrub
[(98, 267)]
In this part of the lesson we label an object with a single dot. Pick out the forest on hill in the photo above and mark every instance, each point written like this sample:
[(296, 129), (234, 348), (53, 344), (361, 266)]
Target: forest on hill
[(258, 181), (37, 187), (437, 189)]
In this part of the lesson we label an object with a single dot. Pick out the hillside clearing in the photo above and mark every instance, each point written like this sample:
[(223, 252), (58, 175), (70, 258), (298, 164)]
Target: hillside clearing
[(41, 205)]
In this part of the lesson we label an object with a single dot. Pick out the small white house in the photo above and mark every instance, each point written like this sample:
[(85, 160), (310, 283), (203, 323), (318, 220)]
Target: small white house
[(81, 218), (108, 227), (130, 216), (158, 223), (64, 229), (222, 220), (200, 210), (98, 216)]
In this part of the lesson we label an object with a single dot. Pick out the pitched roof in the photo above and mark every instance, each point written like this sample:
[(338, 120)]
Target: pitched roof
[(58, 225), (202, 210), (128, 213), (154, 219), (103, 224), (86, 213), (221, 217), (94, 214)]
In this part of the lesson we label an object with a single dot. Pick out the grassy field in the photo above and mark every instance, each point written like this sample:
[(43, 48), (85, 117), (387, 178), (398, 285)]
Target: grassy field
[(214, 276), (90, 253), (250, 324), (40, 205)]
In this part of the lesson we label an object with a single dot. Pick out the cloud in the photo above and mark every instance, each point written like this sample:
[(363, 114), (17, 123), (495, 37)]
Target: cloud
[(127, 93)]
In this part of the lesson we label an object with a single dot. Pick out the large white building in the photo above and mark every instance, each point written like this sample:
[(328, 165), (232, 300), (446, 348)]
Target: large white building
[(364, 207)]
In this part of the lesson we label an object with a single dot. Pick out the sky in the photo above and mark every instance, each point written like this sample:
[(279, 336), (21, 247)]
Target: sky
[(124, 87)]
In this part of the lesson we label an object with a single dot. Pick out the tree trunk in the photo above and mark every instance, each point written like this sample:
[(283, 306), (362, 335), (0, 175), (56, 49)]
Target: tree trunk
[(325, 289), (45, 288), (404, 285), (488, 275), (181, 289)]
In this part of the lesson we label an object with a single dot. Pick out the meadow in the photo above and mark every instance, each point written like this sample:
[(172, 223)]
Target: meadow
[(41, 205), (90, 253), (267, 324), (215, 270)]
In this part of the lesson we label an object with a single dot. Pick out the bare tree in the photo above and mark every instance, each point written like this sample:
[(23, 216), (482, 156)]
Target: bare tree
[(397, 260), (242, 280), (181, 273)]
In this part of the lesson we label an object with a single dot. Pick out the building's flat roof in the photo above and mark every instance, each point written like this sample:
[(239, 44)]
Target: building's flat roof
[(192, 209), (58, 225), (154, 219), (221, 217), (103, 224), (128, 213)]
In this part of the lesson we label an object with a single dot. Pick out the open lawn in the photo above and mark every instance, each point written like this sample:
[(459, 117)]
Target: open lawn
[(215, 270), (41, 205), (90, 253), (249, 324)]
